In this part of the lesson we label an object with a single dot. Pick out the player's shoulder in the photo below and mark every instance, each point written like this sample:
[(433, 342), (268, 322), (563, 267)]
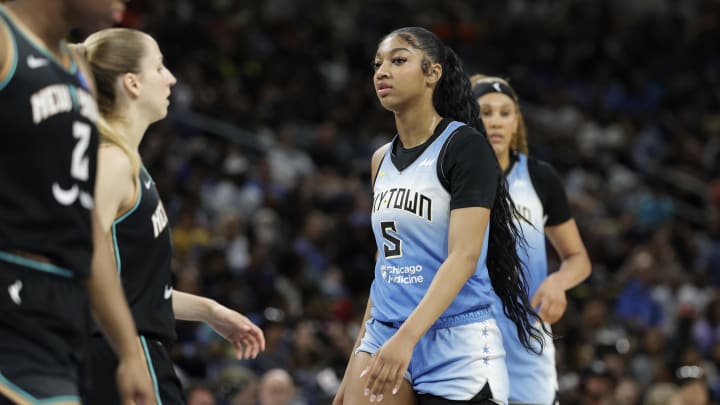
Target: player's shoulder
[(468, 134), (377, 159), (113, 160), (466, 130), (468, 140), (380, 153), (8, 54), (541, 168)]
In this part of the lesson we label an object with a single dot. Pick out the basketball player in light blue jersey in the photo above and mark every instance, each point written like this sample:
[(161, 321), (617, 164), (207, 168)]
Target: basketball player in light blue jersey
[(445, 238), (539, 197)]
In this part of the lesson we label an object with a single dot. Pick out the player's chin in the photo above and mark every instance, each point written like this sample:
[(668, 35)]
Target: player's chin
[(389, 103), (158, 114), (97, 23)]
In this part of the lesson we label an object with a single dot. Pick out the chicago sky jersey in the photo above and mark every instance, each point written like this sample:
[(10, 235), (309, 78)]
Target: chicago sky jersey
[(410, 220), (143, 251), (533, 377), (528, 203), (48, 154)]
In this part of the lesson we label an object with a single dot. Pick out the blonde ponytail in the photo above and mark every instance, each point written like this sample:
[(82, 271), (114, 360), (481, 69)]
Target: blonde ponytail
[(111, 53), (108, 135)]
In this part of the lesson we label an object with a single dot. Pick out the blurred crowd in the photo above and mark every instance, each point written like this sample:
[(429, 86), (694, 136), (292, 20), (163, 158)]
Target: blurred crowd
[(264, 169)]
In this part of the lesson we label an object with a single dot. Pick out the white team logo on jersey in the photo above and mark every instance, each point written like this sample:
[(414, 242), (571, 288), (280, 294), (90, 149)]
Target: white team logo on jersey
[(65, 197), (62, 98), (521, 183), (35, 62), (148, 184), (168, 291), (524, 212), (159, 219), (14, 291), (402, 274), (69, 196), (427, 162)]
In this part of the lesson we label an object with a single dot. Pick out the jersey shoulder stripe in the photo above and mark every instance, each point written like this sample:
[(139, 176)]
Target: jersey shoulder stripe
[(8, 53)]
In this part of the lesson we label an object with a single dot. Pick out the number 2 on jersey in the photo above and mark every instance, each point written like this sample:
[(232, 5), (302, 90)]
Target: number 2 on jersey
[(392, 247), (79, 168)]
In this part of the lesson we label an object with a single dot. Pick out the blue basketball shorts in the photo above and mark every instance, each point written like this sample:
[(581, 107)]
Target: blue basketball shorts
[(452, 362)]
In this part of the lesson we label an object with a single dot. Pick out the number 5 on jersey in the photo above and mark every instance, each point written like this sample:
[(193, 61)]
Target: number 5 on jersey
[(392, 246)]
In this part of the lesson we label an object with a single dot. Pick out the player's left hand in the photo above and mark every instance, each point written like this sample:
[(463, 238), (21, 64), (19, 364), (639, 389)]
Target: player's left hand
[(387, 368), (550, 299), (247, 338)]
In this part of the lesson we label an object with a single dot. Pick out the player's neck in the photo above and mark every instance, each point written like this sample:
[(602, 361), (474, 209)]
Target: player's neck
[(415, 126), (46, 27), (504, 160), (132, 130)]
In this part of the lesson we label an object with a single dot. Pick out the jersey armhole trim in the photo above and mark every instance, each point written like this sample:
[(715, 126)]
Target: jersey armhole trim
[(113, 228), (151, 368), (386, 152), (7, 71), (382, 159)]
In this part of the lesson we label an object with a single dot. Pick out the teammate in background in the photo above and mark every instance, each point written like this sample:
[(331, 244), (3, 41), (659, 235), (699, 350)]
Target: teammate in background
[(48, 227), (539, 196), (429, 329), (133, 89)]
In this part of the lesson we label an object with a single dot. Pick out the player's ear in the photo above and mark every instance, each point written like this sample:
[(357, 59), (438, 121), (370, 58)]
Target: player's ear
[(130, 84), (434, 74)]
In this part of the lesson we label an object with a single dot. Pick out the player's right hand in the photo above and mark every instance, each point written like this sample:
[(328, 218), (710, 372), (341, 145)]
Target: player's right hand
[(134, 383)]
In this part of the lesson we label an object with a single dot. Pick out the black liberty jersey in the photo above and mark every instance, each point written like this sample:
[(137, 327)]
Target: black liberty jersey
[(48, 153), (143, 251)]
